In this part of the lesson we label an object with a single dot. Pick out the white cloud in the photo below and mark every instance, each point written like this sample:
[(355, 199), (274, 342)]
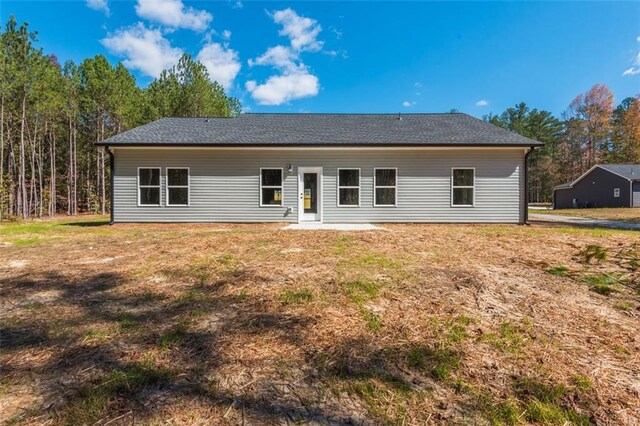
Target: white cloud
[(632, 71), (294, 80), (280, 57), (417, 84), (222, 63), (279, 89), (100, 5), (145, 49), (173, 13), (408, 104), (303, 32), (635, 69), (482, 103), (226, 34)]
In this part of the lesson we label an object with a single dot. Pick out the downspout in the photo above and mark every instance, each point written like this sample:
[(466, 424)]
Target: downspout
[(526, 186), (112, 167)]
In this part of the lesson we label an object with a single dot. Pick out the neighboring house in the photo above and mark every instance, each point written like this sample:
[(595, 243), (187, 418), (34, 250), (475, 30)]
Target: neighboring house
[(603, 185), (319, 167)]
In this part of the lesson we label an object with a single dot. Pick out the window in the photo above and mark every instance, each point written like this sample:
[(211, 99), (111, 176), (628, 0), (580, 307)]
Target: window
[(384, 187), (616, 192), (148, 186), (348, 187), (178, 186), (270, 187), (463, 187)]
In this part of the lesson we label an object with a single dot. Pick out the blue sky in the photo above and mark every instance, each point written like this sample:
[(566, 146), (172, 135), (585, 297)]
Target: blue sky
[(357, 56)]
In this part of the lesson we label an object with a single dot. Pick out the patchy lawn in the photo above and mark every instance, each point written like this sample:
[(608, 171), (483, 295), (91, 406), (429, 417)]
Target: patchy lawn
[(228, 324), (626, 214)]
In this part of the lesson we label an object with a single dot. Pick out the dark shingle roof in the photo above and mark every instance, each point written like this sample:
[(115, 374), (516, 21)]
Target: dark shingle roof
[(563, 186), (322, 129), (629, 171)]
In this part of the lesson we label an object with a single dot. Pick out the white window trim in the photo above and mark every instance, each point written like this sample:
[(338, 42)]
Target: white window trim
[(473, 187), (159, 186), (616, 192), (188, 186), (395, 200), (349, 187), (281, 186)]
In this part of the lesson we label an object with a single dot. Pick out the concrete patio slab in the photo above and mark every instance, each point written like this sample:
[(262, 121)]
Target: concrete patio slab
[(332, 227)]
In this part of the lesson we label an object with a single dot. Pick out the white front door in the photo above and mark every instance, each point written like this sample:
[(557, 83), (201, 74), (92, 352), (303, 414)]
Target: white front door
[(309, 194)]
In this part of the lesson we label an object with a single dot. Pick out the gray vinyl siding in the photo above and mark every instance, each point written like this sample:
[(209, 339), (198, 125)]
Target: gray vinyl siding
[(635, 202), (225, 184)]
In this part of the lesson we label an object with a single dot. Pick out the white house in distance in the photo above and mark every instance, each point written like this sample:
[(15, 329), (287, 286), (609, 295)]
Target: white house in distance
[(332, 168)]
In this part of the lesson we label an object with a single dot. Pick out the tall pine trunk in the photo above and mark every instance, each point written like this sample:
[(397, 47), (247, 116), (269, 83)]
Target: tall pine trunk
[(22, 179), (103, 192), (3, 192)]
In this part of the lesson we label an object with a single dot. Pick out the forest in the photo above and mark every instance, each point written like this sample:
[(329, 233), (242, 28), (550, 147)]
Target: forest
[(52, 114)]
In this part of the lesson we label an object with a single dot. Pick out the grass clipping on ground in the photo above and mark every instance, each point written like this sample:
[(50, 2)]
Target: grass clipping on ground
[(248, 323)]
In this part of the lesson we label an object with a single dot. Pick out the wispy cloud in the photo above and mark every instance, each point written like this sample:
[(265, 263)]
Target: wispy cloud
[(302, 31), (100, 5), (408, 104), (635, 69), (173, 14), (482, 103)]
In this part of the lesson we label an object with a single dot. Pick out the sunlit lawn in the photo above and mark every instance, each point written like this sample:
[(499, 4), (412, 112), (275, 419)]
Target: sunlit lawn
[(230, 324)]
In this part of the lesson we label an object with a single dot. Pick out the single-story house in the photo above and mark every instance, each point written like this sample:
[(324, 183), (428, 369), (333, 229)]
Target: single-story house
[(332, 168), (603, 185)]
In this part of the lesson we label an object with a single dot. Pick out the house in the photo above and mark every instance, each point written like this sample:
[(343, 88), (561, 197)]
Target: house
[(603, 185), (340, 168)]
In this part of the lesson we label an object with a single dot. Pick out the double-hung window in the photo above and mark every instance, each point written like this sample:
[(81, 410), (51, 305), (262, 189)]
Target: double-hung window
[(177, 186), (463, 182), (385, 185), (348, 187), (270, 187), (148, 186), (616, 192)]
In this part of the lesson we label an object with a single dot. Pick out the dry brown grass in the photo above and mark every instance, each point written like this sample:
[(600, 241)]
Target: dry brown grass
[(228, 324), (629, 214)]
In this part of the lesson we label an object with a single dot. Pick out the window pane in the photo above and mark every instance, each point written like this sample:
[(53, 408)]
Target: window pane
[(149, 177), (385, 177), (349, 196), (178, 177), (150, 196), (462, 196), (272, 196), (178, 195), (271, 177), (385, 196), (349, 178), (462, 177)]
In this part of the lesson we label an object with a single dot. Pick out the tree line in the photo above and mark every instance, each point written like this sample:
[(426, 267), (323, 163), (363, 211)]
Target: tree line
[(52, 114), (591, 131)]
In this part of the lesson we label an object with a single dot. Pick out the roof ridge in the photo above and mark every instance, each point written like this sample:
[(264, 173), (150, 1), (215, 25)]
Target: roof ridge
[(391, 114)]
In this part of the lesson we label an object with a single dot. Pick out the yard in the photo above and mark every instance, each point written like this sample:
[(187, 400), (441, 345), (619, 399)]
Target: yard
[(229, 324), (626, 214)]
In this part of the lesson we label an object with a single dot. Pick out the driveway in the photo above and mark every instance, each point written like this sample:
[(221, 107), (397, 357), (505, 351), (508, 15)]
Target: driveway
[(584, 221)]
